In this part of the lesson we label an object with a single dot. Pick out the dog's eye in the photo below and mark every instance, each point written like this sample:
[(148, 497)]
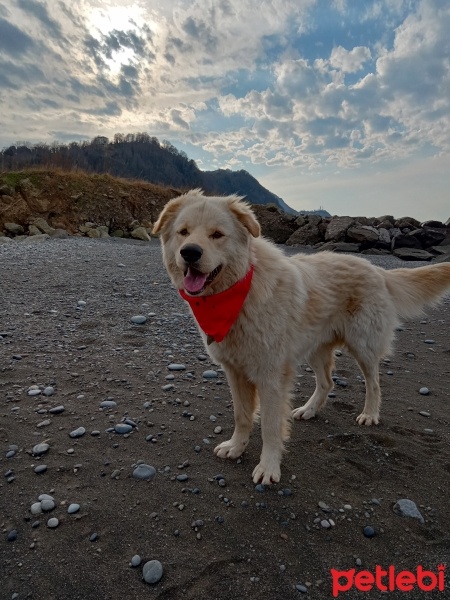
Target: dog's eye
[(184, 232), (216, 235)]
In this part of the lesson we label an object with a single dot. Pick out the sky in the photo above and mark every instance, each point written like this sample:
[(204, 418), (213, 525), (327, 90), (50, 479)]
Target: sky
[(343, 104)]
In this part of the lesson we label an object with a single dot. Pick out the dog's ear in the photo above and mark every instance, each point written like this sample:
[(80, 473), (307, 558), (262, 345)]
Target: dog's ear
[(168, 213), (245, 215)]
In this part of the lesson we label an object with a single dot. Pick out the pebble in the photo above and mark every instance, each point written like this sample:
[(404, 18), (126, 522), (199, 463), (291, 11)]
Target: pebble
[(139, 319), (408, 508), (425, 413), (93, 537), (424, 391), (34, 392), (12, 535), (52, 523), (77, 432), (57, 410), (259, 487), (325, 524), (152, 571), (10, 454), (73, 508), (182, 477), (176, 367), (49, 391), (301, 588), (429, 341), (369, 532), (108, 404), (36, 508), (40, 449), (210, 374), (136, 560), (218, 429), (47, 504), (123, 428), (144, 472), (168, 387), (40, 469)]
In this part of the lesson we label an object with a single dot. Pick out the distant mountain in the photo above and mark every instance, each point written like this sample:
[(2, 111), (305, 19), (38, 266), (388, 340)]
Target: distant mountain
[(139, 156)]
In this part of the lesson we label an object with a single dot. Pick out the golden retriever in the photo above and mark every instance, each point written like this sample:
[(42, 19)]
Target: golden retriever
[(297, 308)]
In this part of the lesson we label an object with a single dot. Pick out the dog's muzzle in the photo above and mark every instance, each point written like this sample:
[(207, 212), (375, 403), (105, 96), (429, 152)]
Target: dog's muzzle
[(191, 253)]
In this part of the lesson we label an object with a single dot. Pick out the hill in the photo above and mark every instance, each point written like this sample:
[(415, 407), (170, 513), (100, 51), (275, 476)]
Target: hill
[(143, 157)]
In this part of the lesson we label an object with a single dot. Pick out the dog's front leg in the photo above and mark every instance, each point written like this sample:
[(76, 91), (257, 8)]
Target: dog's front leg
[(245, 403), (275, 427)]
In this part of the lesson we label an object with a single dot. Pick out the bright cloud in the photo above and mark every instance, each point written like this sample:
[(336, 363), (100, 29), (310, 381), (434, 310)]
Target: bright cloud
[(303, 87)]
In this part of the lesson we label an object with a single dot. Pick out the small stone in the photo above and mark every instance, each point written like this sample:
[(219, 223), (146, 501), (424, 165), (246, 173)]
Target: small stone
[(429, 341), (144, 472), (369, 532), (138, 320), (47, 504), (325, 524), (10, 454), (34, 392), (218, 429), (168, 387), (301, 588), (40, 469), (424, 391), (108, 404), (12, 535), (57, 410), (40, 449), (49, 391), (93, 537), (152, 571), (36, 508), (210, 374), (176, 367), (73, 508), (408, 508), (182, 477), (123, 428), (425, 413), (136, 560), (259, 487), (77, 432), (52, 523)]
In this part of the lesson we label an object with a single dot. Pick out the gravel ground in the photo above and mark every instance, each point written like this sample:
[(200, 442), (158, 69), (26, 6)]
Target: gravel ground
[(65, 327)]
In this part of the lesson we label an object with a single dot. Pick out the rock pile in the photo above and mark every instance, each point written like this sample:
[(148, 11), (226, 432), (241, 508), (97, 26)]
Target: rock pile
[(406, 238)]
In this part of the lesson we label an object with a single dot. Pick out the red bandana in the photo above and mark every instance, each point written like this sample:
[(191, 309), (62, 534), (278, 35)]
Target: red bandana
[(216, 314)]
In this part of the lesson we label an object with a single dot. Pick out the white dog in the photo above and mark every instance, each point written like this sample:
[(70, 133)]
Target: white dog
[(260, 313)]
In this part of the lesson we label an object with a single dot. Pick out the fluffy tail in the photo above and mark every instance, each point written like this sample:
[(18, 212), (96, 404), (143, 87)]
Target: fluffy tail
[(412, 289)]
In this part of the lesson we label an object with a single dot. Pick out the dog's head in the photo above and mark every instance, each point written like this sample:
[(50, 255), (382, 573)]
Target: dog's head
[(206, 241)]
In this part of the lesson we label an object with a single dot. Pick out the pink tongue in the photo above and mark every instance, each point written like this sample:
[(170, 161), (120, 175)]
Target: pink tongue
[(194, 281)]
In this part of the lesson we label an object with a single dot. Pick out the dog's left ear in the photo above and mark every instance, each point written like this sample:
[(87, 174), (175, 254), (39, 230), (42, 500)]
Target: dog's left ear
[(168, 213), (245, 215)]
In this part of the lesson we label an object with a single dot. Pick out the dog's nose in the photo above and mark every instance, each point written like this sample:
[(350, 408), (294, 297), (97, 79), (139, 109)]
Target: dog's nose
[(191, 253)]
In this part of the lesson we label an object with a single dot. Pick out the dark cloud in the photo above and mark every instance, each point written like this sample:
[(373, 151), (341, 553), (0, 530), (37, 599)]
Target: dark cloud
[(111, 109), (200, 32), (6, 83), (40, 12), (81, 88), (12, 40), (22, 72)]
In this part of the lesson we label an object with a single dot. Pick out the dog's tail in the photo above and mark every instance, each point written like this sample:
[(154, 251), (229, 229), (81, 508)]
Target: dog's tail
[(412, 289)]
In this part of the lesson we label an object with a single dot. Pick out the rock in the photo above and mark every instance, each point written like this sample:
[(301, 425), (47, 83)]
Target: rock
[(93, 233), (33, 230), (407, 222), (430, 236), (36, 239), (40, 449), (122, 428), (138, 319), (404, 240), (43, 226), (275, 224), (437, 224), (104, 231), (118, 233), (144, 472), (53, 523), (210, 374), (136, 560), (140, 233), (412, 254), (5, 240), (59, 234), (408, 508), (14, 228), (362, 233), (384, 236), (305, 236), (6, 190), (386, 219), (424, 391), (337, 228), (79, 432), (152, 571), (340, 247), (73, 508)]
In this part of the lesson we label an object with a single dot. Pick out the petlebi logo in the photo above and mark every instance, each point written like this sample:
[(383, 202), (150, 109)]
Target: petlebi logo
[(387, 580)]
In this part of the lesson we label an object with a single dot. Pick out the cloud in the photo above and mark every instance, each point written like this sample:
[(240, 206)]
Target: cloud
[(13, 41), (39, 11), (349, 61)]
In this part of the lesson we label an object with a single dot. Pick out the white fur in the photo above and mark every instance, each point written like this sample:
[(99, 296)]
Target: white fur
[(299, 308)]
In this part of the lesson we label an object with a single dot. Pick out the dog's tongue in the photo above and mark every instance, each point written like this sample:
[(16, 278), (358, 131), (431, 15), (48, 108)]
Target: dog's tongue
[(194, 280)]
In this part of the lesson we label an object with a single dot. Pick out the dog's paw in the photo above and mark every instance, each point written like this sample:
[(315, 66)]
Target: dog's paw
[(230, 448), (267, 473), (366, 419), (304, 412)]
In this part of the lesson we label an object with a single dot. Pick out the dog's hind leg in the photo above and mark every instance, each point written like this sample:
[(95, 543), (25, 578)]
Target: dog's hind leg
[(245, 403), (322, 363), (275, 397)]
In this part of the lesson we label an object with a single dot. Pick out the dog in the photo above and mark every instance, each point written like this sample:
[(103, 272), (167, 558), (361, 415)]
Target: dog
[(260, 312)]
